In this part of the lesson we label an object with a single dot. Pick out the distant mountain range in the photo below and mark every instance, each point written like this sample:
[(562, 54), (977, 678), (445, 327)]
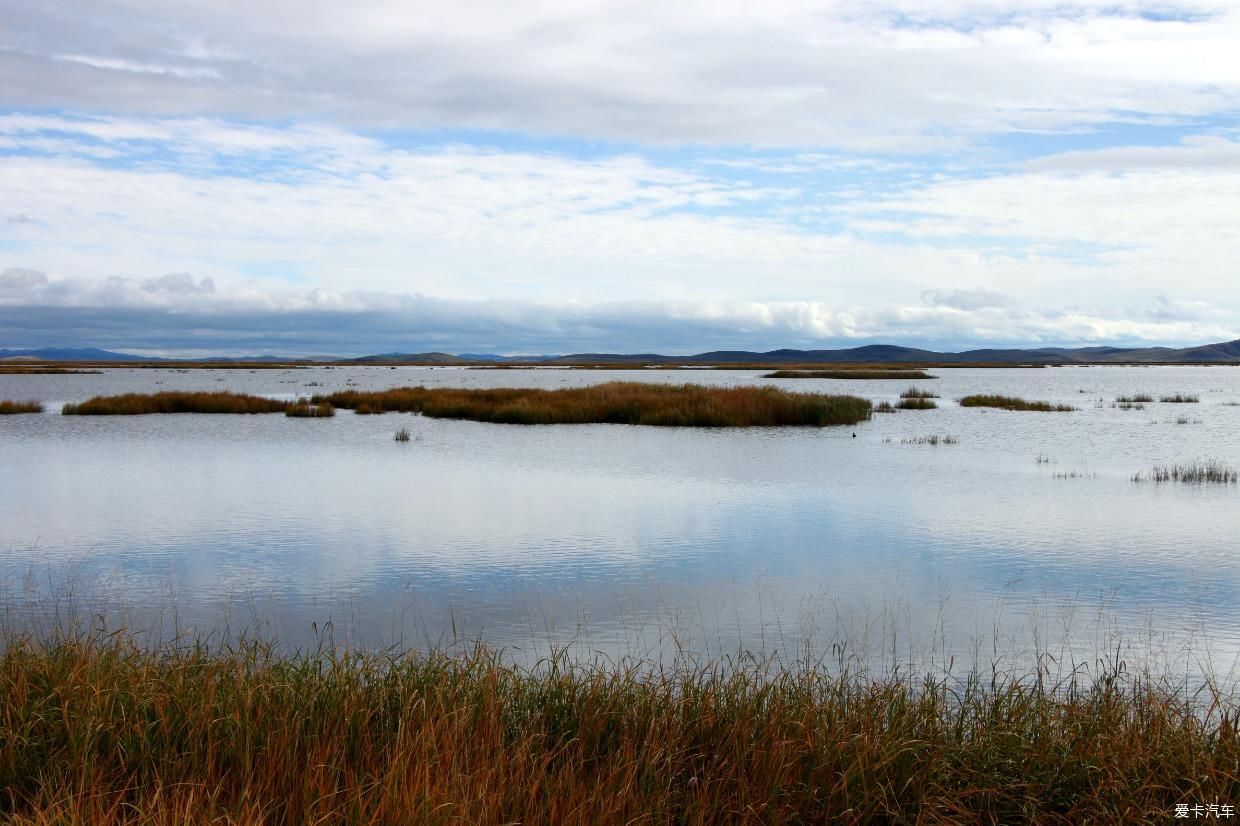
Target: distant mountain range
[(1224, 353)]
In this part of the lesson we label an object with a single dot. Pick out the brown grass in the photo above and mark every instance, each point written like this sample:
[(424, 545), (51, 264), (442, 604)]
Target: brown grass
[(684, 405), (849, 374), (11, 407), (99, 731), (131, 404), (46, 371), (1013, 403), (303, 409)]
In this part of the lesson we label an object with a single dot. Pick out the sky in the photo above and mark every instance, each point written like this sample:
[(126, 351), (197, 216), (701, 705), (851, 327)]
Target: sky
[(305, 177)]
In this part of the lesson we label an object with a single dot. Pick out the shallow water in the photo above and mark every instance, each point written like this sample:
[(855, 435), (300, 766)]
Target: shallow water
[(633, 540)]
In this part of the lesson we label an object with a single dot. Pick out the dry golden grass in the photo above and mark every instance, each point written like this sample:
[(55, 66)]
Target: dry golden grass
[(684, 405), (99, 731), (11, 407), (132, 404), (1014, 403)]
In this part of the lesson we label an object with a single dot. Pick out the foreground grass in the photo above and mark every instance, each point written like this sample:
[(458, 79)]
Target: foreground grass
[(849, 374), (684, 405), (98, 730), (1013, 403), (131, 404), (11, 407)]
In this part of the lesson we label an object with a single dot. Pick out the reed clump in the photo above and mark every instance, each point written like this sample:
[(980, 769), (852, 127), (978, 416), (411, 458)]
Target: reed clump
[(46, 371), (916, 404), (849, 374), (1211, 471), (13, 407), (934, 440), (918, 393), (402, 435), (1137, 398), (1013, 403), (638, 403), (98, 730), (303, 409), (173, 401), (1180, 398)]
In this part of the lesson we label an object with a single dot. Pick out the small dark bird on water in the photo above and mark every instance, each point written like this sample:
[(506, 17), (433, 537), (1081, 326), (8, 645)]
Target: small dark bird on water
[(854, 435)]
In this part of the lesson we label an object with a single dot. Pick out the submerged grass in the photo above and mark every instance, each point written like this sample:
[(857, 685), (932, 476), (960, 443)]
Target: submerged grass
[(11, 407), (1193, 473), (95, 729), (303, 409), (849, 374), (684, 405), (130, 404), (1013, 403)]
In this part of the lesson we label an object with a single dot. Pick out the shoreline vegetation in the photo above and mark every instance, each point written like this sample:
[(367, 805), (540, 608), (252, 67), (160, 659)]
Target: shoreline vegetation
[(868, 375), (94, 728), (1014, 403), (637, 403), (8, 408)]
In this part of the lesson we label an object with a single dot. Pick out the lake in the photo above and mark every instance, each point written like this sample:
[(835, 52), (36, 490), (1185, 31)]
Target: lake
[(1027, 537)]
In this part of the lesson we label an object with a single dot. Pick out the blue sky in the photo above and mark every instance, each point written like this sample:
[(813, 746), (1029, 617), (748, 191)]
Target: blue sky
[(316, 177)]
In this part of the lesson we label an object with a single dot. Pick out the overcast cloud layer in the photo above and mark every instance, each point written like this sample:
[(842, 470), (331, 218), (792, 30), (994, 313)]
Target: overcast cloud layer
[(322, 177)]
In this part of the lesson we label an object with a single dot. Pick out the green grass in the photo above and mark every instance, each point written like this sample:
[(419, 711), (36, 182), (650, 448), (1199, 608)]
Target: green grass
[(639, 403), (131, 404), (1013, 403), (11, 407), (98, 730), (1193, 473), (303, 409), (849, 374)]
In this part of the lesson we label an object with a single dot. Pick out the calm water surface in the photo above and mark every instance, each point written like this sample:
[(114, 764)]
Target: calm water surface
[(633, 540)]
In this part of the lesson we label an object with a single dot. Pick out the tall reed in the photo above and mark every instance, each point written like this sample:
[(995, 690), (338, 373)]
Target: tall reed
[(12, 407), (174, 401), (684, 405), (95, 729)]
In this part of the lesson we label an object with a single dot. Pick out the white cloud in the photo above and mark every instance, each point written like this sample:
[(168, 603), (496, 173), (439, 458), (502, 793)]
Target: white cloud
[(874, 75)]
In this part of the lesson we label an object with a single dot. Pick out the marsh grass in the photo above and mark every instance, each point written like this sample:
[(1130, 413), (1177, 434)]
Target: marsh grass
[(303, 409), (13, 407), (685, 405), (96, 729), (402, 435), (934, 440), (884, 407), (1180, 398), (1014, 403), (131, 404), (849, 374), (1211, 471), (916, 404), (1138, 398), (46, 371), (918, 393)]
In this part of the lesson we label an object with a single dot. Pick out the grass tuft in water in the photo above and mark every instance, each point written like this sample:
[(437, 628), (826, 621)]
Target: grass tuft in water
[(12, 407), (402, 435), (684, 405), (1195, 473), (918, 393), (1014, 403), (934, 440), (1180, 398), (132, 404), (1138, 398), (916, 404)]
